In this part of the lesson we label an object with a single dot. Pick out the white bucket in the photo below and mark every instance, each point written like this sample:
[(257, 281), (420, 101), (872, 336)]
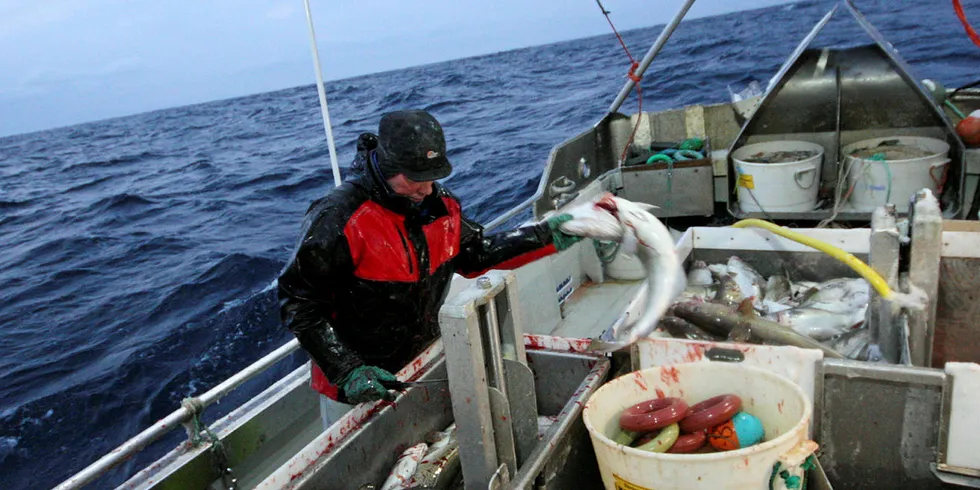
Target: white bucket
[(894, 181), (780, 404), (778, 187)]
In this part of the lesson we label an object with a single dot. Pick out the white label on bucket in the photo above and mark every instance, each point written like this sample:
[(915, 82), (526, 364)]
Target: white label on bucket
[(622, 484), (745, 180)]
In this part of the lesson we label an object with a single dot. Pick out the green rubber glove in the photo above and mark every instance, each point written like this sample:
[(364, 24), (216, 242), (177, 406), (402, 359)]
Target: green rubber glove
[(561, 239), (363, 384)]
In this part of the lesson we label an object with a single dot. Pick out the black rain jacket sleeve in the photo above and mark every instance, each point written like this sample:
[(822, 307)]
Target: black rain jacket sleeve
[(504, 250), (307, 299)]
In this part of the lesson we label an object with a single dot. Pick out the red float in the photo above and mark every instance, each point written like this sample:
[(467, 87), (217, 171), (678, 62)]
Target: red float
[(689, 443), (710, 413), (969, 129), (653, 414)]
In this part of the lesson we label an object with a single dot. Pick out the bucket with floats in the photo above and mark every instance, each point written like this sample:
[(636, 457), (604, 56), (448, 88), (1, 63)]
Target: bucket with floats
[(773, 451), (892, 169), (778, 176)]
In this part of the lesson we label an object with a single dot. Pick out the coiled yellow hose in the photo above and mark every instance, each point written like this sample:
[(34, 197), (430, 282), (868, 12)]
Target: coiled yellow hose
[(850, 260)]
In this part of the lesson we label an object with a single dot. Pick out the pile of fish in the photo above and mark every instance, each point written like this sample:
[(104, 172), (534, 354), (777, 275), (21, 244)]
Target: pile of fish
[(733, 301), (434, 464), (430, 464)]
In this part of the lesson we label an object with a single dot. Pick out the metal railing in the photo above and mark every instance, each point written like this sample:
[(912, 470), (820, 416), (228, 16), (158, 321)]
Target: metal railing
[(175, 419)]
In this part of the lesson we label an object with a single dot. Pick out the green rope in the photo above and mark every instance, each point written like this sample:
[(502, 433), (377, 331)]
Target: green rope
[(602, 249), (692, 144), (954, 109), (659, 157), (195, 407), (880, 157), (792, 482)]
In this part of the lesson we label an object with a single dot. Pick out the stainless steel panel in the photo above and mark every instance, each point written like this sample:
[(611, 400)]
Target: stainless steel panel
[(801, 266), (884, 260), (575, 163), (679, 191), (564, 458), (257, 437), (925, 251), (367, 456), (503, 432), (879, 425), (523, 408), (462, 342)]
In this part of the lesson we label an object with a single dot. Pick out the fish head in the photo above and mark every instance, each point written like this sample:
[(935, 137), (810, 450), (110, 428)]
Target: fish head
[(592, 221), (628, 213)]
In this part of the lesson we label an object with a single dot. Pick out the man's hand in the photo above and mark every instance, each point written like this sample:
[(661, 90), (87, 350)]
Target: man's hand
[(363, 384), (561, 239)]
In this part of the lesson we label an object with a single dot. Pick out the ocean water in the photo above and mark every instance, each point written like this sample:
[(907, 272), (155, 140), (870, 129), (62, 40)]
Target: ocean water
[(140, 254)]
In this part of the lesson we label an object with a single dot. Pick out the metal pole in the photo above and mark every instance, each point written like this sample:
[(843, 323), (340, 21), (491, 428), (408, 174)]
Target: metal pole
[(174, 420), (323, 96), (495, 354), (651, 54)]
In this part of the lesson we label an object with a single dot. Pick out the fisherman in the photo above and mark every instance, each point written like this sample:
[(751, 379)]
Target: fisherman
[(363, 288)]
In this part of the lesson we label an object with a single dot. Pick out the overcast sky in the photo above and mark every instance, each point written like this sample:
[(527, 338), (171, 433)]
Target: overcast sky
[(70, 61)]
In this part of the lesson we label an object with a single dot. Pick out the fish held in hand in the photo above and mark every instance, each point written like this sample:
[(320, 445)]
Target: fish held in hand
[(592, 221), (665, 280)]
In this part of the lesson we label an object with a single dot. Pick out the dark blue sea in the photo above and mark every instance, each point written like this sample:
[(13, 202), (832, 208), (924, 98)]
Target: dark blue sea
[(139, 254)]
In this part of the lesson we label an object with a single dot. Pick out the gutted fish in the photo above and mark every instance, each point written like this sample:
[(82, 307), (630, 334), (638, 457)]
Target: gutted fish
[(682, 329), (854, 344), (702, 293), (728, 291), (590, 220), (719, 319), (401, 475), (819, 324), (750, 282), (778, 289), (699, 275), (646, 237), (441, 462)]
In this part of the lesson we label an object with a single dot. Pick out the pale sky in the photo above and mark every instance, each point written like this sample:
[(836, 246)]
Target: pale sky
[(71, 61)]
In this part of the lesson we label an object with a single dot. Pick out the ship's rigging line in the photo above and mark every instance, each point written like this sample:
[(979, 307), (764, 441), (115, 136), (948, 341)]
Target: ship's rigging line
[(632, 75)]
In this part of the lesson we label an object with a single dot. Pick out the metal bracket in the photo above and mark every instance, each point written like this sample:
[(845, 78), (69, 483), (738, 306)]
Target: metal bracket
[(963, 477), (492, 388)]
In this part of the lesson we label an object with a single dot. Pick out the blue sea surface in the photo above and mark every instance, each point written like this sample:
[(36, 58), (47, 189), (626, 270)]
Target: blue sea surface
[(140, 254)]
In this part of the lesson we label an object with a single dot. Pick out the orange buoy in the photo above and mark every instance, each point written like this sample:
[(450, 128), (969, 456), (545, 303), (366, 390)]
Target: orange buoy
[(969, 129)]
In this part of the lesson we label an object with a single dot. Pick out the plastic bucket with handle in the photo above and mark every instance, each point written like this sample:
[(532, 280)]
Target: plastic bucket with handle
[(893, 169), (785, 185), (780, 404)]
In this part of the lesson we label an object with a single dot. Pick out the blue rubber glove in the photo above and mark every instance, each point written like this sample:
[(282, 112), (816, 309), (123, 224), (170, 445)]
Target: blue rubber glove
[(561, 239), (363, 384)]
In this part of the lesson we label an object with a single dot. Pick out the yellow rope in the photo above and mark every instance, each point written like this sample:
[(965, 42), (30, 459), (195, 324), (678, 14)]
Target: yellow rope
[(848, 259)]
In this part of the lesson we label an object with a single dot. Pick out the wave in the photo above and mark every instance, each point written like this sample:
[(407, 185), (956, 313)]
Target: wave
[(113, 161), (121, 203)]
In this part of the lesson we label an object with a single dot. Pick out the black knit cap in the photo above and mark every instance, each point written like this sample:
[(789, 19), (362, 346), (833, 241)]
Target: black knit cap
[(412, 143)]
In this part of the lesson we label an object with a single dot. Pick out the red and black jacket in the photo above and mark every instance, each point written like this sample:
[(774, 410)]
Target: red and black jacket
[(366, 281)]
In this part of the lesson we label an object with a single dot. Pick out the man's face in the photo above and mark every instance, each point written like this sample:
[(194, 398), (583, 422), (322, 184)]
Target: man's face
[(416, 191)]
